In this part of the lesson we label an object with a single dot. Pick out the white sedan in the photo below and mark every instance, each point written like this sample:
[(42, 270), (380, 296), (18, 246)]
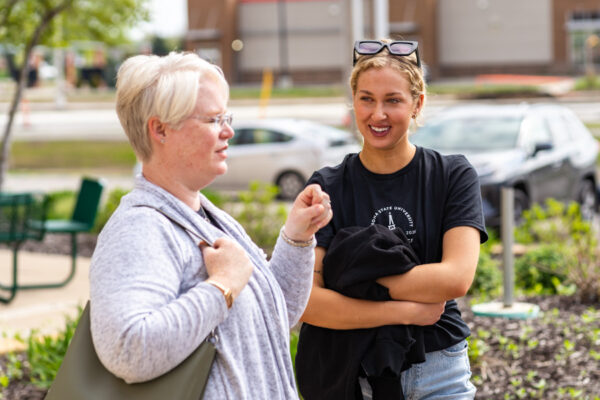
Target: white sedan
[(284, 152)]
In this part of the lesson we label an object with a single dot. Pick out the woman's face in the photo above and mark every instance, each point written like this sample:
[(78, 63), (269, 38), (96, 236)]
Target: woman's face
[(383, 107), (199, 148)]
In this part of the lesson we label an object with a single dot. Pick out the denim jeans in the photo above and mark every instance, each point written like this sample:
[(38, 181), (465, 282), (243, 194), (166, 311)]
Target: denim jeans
[(444, 375)]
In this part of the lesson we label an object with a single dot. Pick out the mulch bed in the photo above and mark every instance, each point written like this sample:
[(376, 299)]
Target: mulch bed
[(554, 356), (56, 243)]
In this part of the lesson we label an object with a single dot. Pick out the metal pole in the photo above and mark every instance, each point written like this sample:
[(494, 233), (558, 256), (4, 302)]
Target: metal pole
[(284, 73), (60, 99), (381, 20), (358, 25), (507, 229)]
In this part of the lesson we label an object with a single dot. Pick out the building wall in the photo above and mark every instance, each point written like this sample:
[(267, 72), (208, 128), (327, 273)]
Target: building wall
[(563, 46), (312, 35), (456, 37), (212, 27), (492, 32), (417, 20)]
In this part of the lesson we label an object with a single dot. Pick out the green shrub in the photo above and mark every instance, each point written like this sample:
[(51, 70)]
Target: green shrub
[(12, 371), (561, 227), (294, 338), (589, 82), (259, 214), (215, 197), (488, 277), (61, 204), (554, 222), (46, 352), (539, 269), (109, 207)]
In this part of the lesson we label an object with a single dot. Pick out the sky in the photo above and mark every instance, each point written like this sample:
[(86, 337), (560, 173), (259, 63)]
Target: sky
[(168, 18)]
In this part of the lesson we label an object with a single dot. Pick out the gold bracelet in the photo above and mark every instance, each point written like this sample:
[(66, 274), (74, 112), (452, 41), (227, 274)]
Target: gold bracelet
[(296, 243), (225, 290)]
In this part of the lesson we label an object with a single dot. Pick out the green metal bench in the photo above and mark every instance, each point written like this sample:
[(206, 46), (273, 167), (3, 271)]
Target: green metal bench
[(23, 217)]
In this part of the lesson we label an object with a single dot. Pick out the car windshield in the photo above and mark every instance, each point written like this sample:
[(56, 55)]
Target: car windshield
[(333, 135), (476, 133)]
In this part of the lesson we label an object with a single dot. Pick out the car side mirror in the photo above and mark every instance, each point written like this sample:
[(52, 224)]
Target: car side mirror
[(542, 146)]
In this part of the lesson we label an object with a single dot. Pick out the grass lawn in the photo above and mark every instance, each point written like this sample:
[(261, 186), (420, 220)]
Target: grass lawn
[(109, 155)]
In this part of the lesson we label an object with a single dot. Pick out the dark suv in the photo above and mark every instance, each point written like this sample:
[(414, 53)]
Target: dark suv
[(541, 150)]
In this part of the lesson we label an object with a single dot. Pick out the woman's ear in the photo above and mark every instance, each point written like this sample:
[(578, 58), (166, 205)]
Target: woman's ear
[(157, 130), (419, 105)]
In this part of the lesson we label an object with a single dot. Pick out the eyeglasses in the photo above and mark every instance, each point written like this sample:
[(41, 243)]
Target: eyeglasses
[(218, 121), (396, 48)]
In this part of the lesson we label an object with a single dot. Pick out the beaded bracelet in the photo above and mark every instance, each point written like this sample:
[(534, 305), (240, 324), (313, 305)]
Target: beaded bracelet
[(296, 243)]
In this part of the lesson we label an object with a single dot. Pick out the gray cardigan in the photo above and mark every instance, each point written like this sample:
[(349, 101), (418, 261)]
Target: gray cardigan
[(150, 307)]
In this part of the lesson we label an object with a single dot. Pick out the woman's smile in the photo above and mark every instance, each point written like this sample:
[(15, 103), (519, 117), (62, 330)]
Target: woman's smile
[(380, 130)]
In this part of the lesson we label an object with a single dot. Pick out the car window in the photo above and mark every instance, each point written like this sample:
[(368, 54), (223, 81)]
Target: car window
[(466, 133), (534, 130), (269, 136), (258, 136), (325, 131), (242, 136), (559, 126), (577, 129)]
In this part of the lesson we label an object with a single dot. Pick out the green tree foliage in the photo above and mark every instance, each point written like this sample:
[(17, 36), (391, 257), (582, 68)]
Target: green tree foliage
[(25, 24)]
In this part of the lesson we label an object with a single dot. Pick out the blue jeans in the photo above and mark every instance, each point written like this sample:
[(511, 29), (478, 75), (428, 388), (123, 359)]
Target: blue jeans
[(444, 375)]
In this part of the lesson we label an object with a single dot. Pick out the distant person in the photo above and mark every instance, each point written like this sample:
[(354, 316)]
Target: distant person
[(432, 205), (34, 63), (155, 295)]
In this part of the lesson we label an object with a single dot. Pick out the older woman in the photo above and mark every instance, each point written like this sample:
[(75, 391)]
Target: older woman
[(155, 296)]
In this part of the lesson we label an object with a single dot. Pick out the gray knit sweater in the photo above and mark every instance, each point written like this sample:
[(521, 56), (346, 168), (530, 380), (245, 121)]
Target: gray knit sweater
[(150, 307)]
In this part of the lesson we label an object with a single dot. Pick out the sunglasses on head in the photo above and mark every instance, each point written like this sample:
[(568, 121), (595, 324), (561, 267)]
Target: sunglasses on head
[(396, 48)]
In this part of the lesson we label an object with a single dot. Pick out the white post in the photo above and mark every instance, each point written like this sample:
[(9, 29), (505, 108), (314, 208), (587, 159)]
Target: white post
[(358, 24), (507, 227), (508, 308), (381, 19), (60, 99)]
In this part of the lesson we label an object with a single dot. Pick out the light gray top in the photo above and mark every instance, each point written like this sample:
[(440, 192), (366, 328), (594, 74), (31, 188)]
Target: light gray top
[(150, 307)]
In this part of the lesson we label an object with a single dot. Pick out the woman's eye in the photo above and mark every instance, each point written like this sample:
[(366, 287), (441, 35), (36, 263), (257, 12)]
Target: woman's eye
[(365, 98), (394, 101)]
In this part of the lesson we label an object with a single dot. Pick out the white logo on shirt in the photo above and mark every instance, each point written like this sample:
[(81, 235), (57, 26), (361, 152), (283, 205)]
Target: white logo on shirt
[(395, 217)]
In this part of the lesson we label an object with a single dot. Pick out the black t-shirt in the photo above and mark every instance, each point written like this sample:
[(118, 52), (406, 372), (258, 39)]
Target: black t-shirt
[(426, 198)]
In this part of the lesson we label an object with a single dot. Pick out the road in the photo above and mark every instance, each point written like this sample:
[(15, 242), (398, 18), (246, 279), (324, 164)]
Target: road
[(100, 122)]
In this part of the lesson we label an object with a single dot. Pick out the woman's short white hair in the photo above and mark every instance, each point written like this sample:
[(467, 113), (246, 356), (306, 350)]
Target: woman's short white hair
[(164, 87)]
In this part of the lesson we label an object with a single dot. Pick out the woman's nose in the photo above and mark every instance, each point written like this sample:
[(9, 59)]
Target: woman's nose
[(379, 113), (227, 131)]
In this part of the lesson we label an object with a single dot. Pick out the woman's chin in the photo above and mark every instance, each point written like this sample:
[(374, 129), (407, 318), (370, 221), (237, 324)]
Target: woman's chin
[(222, 170)]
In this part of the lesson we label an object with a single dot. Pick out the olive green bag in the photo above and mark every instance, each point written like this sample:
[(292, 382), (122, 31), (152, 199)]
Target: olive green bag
[(83, 377)]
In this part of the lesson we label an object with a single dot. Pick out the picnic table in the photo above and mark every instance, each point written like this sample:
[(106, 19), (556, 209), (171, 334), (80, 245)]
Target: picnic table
[(23, 216)]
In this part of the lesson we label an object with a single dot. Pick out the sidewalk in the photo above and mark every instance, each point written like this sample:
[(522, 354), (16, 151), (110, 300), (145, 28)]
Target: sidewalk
[(54, 181), (41, 309)]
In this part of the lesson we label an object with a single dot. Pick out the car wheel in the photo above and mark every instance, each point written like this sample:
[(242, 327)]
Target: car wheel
[(521, 203), (290, 184), (587, 199)]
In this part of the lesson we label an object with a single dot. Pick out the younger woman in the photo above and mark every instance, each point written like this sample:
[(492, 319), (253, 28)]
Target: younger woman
[(434, 199)]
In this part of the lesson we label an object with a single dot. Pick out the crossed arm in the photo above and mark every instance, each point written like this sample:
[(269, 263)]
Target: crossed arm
[(419, 294)]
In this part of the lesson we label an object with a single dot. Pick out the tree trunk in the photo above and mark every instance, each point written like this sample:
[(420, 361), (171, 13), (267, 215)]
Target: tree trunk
[(35, 38), (5, 155)]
